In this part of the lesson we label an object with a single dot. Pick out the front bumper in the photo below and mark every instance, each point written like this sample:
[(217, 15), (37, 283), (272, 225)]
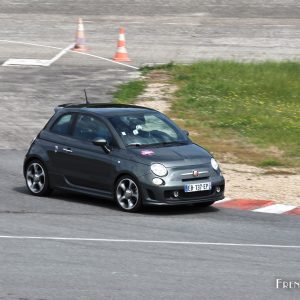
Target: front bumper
[(164, 195)]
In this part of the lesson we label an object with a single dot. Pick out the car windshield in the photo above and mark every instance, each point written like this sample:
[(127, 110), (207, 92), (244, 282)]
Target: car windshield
[(148, 130)]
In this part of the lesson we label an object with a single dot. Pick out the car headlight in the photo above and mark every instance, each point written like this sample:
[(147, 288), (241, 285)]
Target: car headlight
[(159, 170), (214, 164)]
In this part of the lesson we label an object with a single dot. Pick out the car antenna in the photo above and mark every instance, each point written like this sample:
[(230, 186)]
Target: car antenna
[(86, 98)]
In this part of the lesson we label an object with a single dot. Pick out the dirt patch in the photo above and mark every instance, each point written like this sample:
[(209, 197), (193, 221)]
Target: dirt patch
[(158, 93), (242, 181), (279, 184)]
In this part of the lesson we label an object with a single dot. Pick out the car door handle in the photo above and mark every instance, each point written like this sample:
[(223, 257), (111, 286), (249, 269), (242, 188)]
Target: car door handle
[(68, 150)]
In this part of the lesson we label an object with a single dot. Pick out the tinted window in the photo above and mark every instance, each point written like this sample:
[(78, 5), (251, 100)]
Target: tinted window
[(62, 125), (88, 128)]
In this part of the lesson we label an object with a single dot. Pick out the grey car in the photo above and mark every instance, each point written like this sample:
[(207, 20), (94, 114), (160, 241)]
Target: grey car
[(132, 155)]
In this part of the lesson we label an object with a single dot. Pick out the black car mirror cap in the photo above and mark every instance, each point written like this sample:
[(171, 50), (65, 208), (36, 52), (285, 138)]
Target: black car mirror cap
[(102, 143), (186, 132)]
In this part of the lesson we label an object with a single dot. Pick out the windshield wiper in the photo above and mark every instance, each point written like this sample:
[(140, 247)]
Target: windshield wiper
[(167, 143), (137, 145)]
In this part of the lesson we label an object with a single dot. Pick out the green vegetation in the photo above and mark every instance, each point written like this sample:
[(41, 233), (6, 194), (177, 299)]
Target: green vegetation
[(270, 163), (127, 92), (165, 67), (259, 101), (251, 110)]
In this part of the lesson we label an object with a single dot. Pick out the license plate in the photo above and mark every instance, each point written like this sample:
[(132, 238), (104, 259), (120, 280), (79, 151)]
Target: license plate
[(196, 187)]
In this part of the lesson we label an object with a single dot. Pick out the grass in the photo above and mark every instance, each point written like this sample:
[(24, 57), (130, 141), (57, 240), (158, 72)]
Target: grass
[(251, 110), (270, 163), (258, 101), (128, 92), (165, 67)]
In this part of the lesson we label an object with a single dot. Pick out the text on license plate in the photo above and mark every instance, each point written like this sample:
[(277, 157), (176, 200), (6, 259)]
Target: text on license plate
[(196, 187)]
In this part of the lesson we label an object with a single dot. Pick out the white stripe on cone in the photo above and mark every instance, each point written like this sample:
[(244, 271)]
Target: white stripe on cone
[(121, 37), (121, 50)]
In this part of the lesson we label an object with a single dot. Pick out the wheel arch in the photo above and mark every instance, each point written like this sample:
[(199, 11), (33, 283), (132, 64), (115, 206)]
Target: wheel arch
[(30, 159), (126, 173), (132, 175)]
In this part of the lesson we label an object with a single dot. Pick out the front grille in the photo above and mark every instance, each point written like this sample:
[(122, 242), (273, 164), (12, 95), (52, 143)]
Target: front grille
[(150, 194), (182, 195), (169, 195), (194, 178)]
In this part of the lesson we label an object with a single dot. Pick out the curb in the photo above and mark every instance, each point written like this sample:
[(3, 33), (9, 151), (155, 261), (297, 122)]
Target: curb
[(262, 206)]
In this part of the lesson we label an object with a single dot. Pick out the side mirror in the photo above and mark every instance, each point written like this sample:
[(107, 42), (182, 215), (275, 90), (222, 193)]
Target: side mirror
[(186, 132), (102, 143)]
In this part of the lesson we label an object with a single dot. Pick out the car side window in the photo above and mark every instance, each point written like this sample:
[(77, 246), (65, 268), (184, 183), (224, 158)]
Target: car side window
[(88, 128), (62, 125)]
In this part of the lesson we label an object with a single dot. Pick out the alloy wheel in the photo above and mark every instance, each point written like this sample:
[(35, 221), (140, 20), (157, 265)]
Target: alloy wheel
[(127, 194), (35, 177)]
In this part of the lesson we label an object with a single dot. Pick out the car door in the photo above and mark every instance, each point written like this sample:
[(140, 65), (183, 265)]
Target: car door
[(87, 166), (57, 141)]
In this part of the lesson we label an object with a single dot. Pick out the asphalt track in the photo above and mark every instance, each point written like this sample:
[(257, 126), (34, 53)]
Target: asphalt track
[(69, 246)]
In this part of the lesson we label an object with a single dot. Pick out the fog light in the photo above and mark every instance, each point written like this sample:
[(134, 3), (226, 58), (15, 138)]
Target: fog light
[(175, 194), (218, 189), (157, 181)]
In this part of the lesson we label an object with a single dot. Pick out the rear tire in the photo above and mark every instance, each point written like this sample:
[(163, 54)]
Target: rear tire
[(128, 194), (37, 179)]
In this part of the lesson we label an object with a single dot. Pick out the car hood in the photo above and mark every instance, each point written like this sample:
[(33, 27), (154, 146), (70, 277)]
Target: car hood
[(183, 155)]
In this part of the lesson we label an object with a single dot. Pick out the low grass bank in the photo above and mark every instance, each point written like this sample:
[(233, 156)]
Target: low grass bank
[(248, 110), (128, 92)]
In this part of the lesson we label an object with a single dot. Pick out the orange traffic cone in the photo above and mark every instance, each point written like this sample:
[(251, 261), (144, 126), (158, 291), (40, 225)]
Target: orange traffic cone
[(121, 54), (80, 39)]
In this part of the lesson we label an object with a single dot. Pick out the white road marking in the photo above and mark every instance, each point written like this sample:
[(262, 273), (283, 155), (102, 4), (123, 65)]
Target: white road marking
[(61, 53), (80, 53), (30, 44), (275, 208), (36, 62), (146, 241), (109, 60), (26, 62), (224, 200)]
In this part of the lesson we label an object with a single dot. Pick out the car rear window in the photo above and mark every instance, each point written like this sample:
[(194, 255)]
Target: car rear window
[(62, 125)]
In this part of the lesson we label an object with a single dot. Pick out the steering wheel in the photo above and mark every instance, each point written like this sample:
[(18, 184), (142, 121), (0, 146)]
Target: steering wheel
[(161, 136)]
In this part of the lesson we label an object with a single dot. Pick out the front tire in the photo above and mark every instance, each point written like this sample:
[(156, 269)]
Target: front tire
[(128, 194), (37, 179)]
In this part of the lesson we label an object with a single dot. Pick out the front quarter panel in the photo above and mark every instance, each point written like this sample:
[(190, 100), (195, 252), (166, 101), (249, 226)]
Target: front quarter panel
[(127, 165)]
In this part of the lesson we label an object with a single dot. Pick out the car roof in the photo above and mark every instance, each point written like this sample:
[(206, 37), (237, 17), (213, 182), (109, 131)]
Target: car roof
[(106, 109)]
